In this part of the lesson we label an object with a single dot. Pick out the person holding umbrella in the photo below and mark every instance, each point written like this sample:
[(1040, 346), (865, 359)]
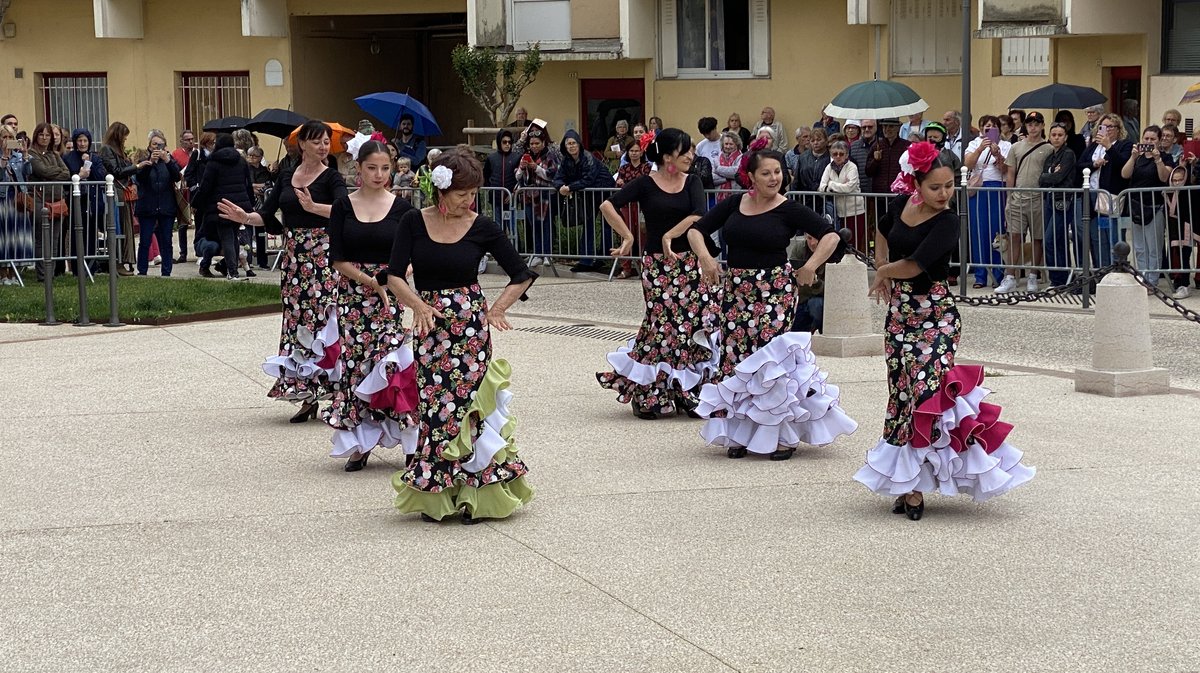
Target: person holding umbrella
[(305, 195)]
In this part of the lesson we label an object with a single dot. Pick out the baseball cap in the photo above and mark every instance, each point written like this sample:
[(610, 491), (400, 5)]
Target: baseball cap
[(1035, 117), (852, 122)]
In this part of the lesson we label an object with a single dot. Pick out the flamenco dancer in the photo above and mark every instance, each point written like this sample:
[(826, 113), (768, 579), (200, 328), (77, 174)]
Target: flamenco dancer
[(374, 401), (770, 396), (937, 432), (306, 365), (661, 370), (466, 459)]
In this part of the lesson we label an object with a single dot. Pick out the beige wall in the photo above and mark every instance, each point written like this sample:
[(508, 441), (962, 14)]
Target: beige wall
[(142, 87), (554, 95), (595, 19)]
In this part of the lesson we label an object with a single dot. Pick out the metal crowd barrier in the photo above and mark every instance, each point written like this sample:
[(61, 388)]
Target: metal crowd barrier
[(55, 227)]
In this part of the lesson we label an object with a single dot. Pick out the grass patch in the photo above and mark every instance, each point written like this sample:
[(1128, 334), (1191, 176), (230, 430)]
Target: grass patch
[(139, 298)]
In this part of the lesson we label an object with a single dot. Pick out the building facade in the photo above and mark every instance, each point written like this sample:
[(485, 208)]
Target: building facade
[(170, 64)]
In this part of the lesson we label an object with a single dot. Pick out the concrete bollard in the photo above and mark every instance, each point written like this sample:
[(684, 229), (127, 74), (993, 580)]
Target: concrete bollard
[(847, 329), (1122, 354)]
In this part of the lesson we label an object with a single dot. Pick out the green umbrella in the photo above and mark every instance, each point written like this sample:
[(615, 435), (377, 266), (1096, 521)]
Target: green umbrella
[(876, 99)]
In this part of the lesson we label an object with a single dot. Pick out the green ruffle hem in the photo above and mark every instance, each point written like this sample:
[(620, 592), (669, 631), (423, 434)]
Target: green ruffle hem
[(496, 500)]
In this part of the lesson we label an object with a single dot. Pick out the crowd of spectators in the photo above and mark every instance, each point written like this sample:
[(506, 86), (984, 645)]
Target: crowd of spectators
[(1010, 160)]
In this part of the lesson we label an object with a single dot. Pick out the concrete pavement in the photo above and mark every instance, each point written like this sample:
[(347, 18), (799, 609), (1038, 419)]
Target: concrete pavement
[(161, 514)]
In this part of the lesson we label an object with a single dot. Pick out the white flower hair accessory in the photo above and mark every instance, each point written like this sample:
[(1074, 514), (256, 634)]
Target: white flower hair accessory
[(442, 177), (355, 144)]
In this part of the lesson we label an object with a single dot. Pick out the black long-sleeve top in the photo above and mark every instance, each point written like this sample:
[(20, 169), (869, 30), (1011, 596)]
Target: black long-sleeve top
[(352, 240), (930, 244), (327, 188), (662, 210), (761, 241), (445, 266)]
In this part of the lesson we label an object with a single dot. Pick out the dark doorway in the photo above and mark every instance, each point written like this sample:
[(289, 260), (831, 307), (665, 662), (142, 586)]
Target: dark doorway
[(1126, 86), (605, 101)]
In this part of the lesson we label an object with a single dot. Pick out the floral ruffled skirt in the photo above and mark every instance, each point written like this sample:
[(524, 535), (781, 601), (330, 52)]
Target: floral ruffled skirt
[(466, 457), (675, 352)]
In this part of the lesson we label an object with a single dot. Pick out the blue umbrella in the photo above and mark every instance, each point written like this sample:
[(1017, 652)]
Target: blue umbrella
[(389, 106)]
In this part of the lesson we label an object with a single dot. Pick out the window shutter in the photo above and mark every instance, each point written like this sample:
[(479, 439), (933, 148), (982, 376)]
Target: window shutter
[(760, 38), (668, 48), (1025, 56)]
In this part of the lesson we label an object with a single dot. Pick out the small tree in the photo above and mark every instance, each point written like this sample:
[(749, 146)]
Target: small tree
[(495, 81)]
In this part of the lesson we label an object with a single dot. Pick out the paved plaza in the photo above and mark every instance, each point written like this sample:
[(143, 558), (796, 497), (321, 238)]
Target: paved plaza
[(161, 514)]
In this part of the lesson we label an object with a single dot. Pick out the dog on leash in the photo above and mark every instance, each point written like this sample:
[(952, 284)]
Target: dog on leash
[(1001, 245)]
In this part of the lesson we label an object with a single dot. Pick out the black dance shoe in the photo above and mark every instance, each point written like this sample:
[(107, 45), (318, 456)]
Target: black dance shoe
[(690, 411), (356, 464), (469, 520), (783, 454), (736, 452), (428, 519), (898, 506), (307, 412), (645, 415), (914, 513)]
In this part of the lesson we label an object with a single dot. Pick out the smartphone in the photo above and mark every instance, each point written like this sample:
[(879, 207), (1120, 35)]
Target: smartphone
[(12, 144), (1145, 147), (526, 158), (992, 134)]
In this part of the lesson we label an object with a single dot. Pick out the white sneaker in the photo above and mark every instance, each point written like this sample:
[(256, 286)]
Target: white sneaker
[(537, 261), (483, 265), (1182, 293), (1031, 283), (1007, 285), (156, 261)]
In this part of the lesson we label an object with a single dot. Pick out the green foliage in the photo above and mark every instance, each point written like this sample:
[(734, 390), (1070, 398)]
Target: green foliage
[(139, 298), (495, 80)]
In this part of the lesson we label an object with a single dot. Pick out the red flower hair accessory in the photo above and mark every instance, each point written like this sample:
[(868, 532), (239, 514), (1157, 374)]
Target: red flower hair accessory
[(646, 140), (918, 157)]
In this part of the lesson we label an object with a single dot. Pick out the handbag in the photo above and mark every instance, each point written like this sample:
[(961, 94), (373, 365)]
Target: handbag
[(129, 192), (58, 209), (1108, 204), (183, 208)]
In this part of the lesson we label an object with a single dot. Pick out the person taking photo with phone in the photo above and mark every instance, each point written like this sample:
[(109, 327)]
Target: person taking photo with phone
[(1148, 167)]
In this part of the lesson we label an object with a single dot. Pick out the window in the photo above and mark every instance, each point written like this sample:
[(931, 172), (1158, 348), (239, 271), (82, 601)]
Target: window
[(74, 100), (1025, 56), (205, 96), (926, 37), (714, 38), (1181, 36)]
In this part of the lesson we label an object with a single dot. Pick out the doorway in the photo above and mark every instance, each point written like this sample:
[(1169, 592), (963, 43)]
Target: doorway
[(1126, 83), (605, 101)]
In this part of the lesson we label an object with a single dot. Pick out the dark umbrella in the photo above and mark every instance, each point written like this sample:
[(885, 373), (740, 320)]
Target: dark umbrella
[(1059, 97), (276, 122), (226, 124), (876, 99), (389, 106)]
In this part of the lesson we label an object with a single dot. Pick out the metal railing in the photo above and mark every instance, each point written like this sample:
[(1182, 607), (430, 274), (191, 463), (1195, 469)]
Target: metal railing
[(1057, 235)]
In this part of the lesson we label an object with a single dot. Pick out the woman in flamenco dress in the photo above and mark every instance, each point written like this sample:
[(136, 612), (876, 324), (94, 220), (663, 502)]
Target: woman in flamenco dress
[(660, 371), (466, 460), (938, 433), (770, 396)]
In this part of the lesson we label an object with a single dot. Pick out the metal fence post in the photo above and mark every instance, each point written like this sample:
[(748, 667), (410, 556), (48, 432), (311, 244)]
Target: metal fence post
[(110, 237), (964, 234), (1085, 238), (48, 268), (80, 262)]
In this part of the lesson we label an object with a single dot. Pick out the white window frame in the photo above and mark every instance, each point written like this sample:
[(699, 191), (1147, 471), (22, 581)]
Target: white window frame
[(760, 45), (931, 28), (1025, 56)]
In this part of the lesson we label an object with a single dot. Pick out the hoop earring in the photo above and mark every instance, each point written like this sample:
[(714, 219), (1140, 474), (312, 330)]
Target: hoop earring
[(671, 169)]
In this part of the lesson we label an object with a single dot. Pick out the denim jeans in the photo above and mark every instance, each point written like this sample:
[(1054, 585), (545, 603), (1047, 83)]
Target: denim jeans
[(205, 249), (538, 231), (158, 226), (810, 315), (1148, 242), (1099, 239), (1059, 225), (986, 213)]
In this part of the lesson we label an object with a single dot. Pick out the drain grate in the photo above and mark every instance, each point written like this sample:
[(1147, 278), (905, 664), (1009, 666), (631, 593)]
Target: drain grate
[(585, 331)]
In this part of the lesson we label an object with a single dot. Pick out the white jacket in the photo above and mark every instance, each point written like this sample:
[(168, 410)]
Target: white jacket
[(844, 182)]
